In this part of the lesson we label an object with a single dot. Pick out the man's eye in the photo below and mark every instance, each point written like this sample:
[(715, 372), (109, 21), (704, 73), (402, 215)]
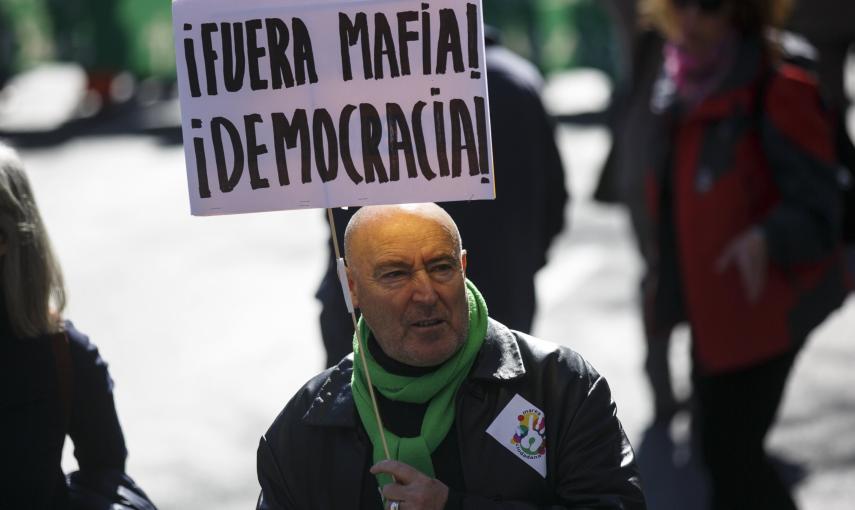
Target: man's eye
[(442, 271), (393, 275)]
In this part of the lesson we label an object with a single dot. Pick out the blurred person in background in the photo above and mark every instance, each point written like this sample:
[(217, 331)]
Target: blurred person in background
[(53, 382), (826, 24), (745, 241), (622, 177), (531, 198)]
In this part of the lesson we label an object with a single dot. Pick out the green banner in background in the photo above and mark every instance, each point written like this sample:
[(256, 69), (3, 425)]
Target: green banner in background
[(25, 35), (516, 21), (110, 36), (103, 36), (555, 34), (148, 25)]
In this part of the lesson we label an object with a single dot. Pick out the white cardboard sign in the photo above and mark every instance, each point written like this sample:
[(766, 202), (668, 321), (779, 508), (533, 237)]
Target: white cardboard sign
[(290, 104)]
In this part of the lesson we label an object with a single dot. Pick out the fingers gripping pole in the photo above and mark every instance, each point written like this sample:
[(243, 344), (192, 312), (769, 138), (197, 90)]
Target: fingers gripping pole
[(342, 276)]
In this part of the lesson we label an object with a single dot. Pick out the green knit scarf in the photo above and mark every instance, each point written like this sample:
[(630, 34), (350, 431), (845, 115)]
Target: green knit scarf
[(437, 387)]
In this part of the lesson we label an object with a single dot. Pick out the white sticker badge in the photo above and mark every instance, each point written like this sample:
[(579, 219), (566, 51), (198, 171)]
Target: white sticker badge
[(521, 428)]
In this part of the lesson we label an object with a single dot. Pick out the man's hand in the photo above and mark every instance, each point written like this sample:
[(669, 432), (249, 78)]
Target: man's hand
[(413, 489), (748, 252)]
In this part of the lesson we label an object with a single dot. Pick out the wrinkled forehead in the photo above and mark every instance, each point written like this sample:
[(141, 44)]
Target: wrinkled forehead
[(401, 232)]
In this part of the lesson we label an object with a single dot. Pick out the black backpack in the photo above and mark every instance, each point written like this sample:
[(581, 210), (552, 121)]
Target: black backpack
[(843, 148), (846, 177)]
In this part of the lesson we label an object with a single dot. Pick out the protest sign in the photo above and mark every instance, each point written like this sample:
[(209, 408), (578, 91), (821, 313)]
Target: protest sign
[(291, 104)]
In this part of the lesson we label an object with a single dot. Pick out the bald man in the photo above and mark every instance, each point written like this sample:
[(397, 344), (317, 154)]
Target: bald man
[(475, 415)]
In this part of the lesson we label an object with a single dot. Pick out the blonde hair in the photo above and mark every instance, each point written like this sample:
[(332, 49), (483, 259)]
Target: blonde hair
[(30, 276), (750, 17)]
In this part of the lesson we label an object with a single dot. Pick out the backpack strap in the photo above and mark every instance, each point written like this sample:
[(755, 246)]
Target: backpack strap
[(761, 92)]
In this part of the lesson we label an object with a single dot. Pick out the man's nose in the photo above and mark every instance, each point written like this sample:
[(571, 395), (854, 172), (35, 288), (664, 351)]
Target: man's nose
[(423, 291)]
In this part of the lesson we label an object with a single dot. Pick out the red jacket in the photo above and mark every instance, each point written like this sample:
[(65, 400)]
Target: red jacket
[(729, 164)]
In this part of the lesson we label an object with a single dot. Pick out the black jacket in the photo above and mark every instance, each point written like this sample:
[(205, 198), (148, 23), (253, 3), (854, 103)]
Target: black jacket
[(36, 416), (313, 456)]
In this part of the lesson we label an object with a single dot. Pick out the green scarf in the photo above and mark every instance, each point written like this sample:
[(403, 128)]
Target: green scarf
[(437, 387)]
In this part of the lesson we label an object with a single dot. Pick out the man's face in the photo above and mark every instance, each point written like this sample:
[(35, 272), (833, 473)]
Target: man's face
[(406, 275)]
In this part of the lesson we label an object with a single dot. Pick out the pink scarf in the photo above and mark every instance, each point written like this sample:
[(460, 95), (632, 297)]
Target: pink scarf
[(696, 77)]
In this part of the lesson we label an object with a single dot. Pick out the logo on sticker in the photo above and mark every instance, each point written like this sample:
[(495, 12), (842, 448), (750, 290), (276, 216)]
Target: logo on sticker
[(530, 434), (520, 428)]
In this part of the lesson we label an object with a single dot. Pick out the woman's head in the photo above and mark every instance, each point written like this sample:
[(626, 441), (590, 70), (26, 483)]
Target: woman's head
[(699, 26), (30, 276)]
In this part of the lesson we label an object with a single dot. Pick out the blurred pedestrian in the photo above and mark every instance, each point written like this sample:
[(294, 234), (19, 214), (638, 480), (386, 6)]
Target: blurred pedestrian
[(529, 208), (745, 230), (622, 176), (53, 382)]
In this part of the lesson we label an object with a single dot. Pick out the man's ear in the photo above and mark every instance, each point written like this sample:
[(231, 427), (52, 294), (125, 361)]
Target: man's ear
[(351, 286), (463, 262)]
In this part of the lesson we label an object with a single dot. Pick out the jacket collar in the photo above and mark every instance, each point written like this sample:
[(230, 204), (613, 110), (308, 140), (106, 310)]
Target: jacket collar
[(498, 360)]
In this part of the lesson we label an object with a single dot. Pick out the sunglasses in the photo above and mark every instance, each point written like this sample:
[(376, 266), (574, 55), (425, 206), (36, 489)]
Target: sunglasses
[(704, 5)]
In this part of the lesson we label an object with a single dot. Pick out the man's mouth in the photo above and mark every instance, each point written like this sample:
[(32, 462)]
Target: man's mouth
[(427, 323)]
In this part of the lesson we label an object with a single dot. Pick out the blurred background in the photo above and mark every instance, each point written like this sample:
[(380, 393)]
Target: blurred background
[(209, 324)]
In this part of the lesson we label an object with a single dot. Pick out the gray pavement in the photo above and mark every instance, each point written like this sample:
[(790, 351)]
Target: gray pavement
[(209, 326)]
